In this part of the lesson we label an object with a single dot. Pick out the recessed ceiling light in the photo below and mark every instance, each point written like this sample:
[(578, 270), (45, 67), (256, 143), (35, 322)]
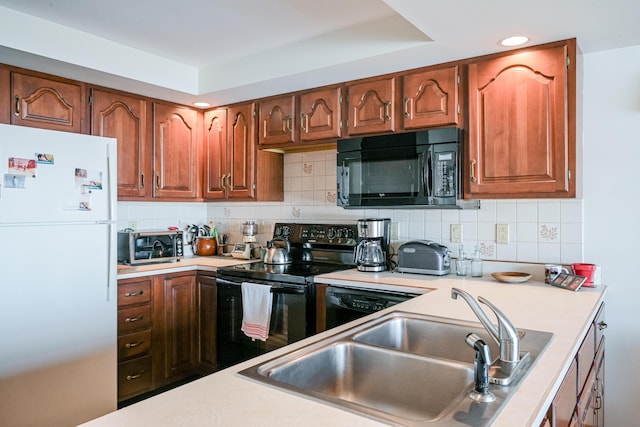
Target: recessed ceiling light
[(513, 41), (202, 104)]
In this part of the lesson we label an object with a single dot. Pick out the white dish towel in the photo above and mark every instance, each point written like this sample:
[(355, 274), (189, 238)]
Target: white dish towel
[(256, 310)]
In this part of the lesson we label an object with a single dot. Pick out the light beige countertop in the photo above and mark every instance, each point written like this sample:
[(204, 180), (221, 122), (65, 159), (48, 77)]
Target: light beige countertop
[(202, 263), (224, 399)]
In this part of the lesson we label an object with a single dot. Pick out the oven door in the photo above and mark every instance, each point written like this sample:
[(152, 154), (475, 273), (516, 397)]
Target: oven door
[(290, 320)]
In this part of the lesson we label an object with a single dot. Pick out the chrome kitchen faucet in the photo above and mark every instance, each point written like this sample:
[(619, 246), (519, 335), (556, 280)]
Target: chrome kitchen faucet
[(506, 336)]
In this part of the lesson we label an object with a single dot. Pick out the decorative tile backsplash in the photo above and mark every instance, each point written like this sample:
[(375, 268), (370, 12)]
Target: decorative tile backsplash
[(541, 230)]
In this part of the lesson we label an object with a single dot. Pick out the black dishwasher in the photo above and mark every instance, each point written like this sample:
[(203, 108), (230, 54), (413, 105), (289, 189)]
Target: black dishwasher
[(346, 304)]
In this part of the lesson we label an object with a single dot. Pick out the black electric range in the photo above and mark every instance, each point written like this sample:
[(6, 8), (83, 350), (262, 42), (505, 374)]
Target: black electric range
[(315, 249)]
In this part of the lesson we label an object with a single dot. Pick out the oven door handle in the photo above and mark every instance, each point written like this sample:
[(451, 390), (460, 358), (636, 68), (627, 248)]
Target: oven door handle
[(287, 290)]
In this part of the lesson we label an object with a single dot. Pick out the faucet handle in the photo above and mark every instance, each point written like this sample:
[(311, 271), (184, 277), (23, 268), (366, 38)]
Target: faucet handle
[(509, 336)]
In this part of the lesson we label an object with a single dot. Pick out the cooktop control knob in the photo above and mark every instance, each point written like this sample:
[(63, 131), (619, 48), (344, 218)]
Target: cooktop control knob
[(331, 233)]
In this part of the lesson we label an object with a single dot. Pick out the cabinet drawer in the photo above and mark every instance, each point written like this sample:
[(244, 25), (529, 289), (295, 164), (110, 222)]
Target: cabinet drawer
[(585, 357), (131, 319), (134, 377), (134, 344), (134, 293)]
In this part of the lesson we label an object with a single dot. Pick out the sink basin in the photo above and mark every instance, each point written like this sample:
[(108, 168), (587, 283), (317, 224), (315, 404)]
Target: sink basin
[(376, 380), (444, 338), (402, 368)]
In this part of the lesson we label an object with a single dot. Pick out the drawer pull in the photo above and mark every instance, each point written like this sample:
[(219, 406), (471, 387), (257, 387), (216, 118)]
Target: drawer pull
[(602, 325), (133, 344), (135, 376), (133, 319), (17, 111), (134, 294)]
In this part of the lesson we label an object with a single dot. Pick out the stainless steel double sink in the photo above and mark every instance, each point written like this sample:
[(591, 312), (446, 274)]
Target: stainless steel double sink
[(401, 368)]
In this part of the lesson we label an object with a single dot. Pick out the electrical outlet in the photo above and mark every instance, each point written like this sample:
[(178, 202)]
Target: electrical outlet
[(394, 231), (502, 233), (132, 225), (456, 233)]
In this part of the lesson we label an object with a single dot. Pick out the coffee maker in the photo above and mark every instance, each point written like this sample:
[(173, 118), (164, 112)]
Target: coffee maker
[(374, 236)]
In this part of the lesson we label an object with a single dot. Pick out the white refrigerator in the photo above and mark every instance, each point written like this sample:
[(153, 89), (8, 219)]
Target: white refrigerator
[(58, 310)]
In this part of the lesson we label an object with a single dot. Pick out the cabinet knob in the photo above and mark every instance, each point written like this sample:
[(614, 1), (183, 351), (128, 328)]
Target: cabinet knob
[(387, 109), (406, 106), (602, 325)]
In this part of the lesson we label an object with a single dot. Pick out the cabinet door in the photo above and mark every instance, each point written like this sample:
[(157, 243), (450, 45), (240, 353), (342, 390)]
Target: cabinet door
[(563, 407), (179, 325), (5, 95), (124, 117), (241, 152), (215, 153), (371, 107), (175, 147), (277, 120), (44, 103), (430, 98), (321, 115), (521, 127), (207, 304)]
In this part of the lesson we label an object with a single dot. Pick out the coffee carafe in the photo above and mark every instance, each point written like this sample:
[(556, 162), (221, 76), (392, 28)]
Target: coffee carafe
[(373, 244)]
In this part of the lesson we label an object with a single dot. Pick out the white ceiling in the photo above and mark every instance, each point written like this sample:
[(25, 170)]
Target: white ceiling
[(223, 51)]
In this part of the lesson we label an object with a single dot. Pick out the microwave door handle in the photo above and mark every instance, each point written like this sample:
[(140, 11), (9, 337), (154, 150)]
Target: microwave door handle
[(343, 190), (427, 176)]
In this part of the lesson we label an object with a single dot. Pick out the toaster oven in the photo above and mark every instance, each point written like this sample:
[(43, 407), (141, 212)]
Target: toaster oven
[(143, 247)]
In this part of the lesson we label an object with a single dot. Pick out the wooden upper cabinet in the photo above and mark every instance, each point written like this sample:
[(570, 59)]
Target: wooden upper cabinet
[(431, 98), (522, 123), (241, 151), (124, 117), (277, 120), (47, 103), (371, 107), (215, 153), (176, 151), (321, 115), (5, 95)]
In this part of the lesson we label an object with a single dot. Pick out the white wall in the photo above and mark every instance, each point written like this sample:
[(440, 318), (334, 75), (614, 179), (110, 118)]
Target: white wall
[(611, 206)]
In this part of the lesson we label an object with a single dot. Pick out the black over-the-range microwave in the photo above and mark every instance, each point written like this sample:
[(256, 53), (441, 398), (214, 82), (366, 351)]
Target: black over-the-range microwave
[(416, 169)]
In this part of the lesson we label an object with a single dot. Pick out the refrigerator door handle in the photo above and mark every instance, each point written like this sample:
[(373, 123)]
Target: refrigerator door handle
[(112, 261)]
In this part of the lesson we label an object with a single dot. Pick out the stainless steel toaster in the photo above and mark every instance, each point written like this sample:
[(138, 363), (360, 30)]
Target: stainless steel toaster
[(424, 257)]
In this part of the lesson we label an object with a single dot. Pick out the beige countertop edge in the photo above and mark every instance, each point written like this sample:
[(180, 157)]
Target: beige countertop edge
[(224, 399), (186, 264)]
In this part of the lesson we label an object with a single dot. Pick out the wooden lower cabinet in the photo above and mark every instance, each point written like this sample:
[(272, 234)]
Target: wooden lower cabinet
[(174, 326), (135, 324), (580, 398), (158, 331), (207, 310)]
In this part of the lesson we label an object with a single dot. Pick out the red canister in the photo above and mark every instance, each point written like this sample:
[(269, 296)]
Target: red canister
[(586, 270)]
